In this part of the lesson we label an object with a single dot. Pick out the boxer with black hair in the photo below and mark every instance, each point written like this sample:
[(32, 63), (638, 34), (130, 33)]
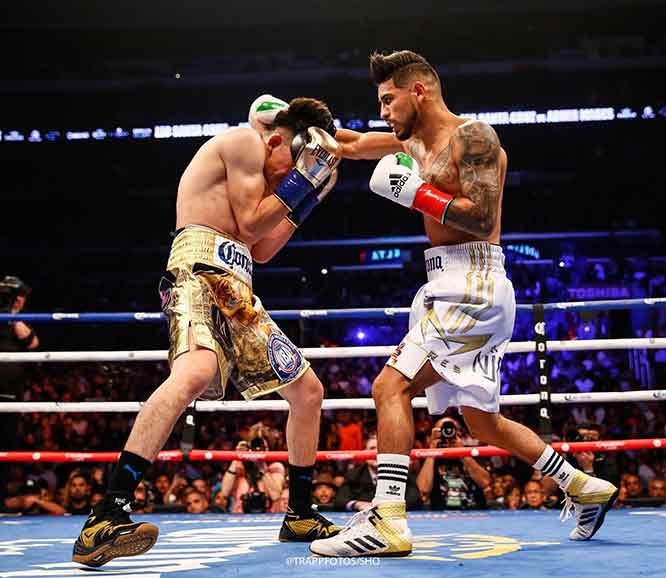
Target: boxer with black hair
[(232, 207)]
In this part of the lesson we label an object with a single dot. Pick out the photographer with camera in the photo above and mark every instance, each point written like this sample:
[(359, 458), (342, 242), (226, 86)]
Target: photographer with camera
[(358, 488), (34, 498), (15, 336), (599, 464), (251, 485), (456, 484)]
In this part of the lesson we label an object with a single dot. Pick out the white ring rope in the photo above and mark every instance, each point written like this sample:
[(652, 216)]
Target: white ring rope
[(330, 352), (329, 404)]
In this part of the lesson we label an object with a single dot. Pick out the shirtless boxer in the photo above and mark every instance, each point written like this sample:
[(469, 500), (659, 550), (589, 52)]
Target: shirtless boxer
[(238, 200), (452, 170)]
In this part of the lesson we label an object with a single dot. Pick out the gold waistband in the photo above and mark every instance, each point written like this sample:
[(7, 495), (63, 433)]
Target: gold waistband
[(198, 244)]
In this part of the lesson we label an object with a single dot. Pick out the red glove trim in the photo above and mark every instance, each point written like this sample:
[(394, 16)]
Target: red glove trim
[(432, 202)]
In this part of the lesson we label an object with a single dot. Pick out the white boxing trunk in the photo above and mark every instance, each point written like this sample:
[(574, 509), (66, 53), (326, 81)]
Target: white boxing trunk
[(461, 321)]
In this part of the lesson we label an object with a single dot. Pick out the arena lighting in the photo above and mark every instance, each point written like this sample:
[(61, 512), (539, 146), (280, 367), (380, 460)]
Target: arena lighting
[(207, 129)]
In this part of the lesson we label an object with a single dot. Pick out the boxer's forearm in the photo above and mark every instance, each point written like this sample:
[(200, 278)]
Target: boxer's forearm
[(259, 224), (465, 215), (264, 250), (366, 145)]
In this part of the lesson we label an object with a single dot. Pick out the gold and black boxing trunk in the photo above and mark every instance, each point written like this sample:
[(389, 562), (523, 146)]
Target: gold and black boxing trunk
[(208, 288)]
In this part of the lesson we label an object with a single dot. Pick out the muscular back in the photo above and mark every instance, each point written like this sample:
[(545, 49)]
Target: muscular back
[(466, 161)]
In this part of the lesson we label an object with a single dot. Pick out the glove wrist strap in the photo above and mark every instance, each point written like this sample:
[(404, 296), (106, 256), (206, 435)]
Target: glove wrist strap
[(303, 209), (293, 189), (432, 202)]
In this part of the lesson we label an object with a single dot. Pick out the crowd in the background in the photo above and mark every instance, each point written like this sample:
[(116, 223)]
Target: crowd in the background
[(248, 486)]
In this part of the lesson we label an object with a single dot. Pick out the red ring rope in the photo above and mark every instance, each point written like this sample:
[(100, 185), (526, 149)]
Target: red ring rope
[(282, 456)]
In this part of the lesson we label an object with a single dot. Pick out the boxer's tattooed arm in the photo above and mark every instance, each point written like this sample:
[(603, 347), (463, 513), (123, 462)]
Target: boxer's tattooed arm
[(476, 152)]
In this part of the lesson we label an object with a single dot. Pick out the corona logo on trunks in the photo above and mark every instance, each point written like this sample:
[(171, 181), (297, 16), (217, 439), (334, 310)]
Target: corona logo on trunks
[(434, 264), (286, 360), (234, 257)]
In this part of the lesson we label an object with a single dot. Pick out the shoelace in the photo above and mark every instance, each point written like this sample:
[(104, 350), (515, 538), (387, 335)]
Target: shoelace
[(359, 516), (123, 514), (567, 509)]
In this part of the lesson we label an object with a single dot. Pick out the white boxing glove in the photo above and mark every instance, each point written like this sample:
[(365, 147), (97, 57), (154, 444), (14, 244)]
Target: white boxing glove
[(263, 111), (396, 177)]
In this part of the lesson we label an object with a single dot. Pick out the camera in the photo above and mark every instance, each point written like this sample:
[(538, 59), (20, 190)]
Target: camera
[(585, 433), (447, 433), (258, 444), (255, 502)]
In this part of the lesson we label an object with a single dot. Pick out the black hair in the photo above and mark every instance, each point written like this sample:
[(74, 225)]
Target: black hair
[(303, 113), (400, 66)]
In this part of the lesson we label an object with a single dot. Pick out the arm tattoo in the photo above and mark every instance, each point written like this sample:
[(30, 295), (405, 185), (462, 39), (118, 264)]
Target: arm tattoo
[(477, 154)]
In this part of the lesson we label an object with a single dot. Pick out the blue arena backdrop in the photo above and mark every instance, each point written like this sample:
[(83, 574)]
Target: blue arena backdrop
[(212, 128)]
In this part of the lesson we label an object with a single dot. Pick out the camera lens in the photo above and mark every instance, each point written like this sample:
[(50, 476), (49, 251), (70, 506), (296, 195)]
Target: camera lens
[(448, 430), (257, 444)]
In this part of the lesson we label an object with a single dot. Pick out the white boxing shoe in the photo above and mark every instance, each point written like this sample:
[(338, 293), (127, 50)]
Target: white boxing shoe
[(591, 498), (378, 531)]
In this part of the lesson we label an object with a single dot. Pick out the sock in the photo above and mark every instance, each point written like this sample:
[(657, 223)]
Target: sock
[(300, 489), (553, 465), (127, 475), (391, 477)]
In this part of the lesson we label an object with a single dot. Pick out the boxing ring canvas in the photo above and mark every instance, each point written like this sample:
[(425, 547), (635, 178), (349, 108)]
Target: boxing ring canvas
[(632, 542)]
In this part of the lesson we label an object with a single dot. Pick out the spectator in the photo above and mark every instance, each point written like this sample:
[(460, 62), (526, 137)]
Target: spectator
[(512, 497), (202, 487), (196, 502), (34, 498), (77, 494), (14, 337), (141, 501), (175, 490), (162, 485), (252, 486), (494, 493), (96, 495), (350, 432), (358, 489), (457, 484), (323, 492), (633, 486), (657, 488), (534, 496)]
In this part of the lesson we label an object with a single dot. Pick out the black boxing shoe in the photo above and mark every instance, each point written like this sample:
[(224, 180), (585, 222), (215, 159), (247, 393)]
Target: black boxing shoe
[(110, 533), (306, 528)]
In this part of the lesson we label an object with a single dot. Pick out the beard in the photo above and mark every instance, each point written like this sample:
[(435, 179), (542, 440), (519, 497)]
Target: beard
[(407, 127)]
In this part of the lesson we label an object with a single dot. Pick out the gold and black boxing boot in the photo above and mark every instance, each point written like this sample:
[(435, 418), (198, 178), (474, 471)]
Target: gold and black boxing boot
[(110, 533), (306, 528)]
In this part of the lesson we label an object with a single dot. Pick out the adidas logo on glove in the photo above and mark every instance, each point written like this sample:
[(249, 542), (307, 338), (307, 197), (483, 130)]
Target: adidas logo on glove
[(397, 182)]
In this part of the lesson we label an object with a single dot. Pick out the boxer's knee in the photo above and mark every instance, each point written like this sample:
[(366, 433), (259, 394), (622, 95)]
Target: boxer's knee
[(304, 394), (389, 385), (192, 372)]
